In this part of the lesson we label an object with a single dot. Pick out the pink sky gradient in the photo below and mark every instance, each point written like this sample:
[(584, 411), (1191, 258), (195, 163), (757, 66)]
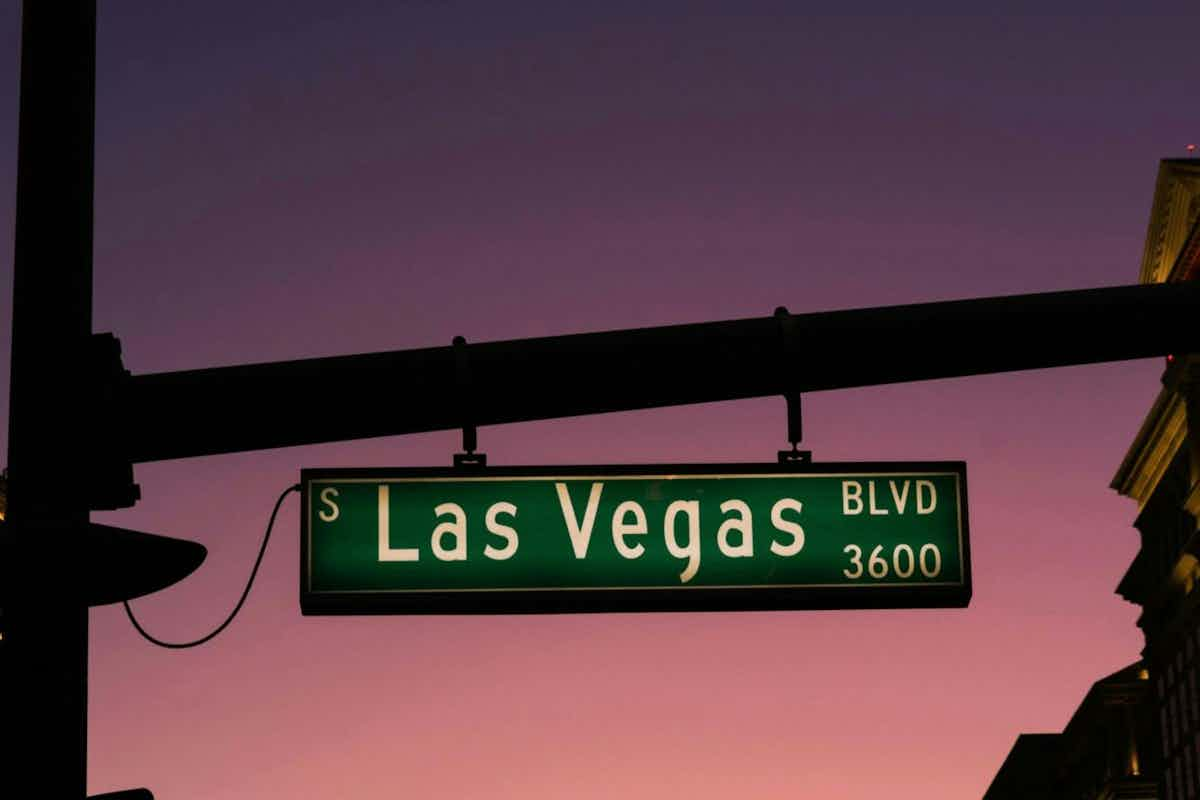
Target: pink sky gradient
[(280, 180)]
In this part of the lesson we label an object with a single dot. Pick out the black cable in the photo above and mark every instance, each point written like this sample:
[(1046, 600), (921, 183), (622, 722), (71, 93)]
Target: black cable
[(238, 607)]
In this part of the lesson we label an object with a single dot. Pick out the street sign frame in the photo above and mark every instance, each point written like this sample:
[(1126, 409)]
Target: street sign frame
[(637, 599)]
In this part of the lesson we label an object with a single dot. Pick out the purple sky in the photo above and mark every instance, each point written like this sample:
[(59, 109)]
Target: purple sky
[(287, 179)]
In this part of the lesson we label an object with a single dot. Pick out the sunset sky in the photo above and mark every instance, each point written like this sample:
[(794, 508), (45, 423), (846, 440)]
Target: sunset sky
[(289, 178)]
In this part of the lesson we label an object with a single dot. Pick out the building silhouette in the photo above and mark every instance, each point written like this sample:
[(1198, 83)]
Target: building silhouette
[(1137, 732), (1161, 472), (1107, 751)]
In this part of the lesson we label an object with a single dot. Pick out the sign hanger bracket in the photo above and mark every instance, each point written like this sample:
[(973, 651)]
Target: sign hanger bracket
[(795, 427), (468, 459), (794, 433)]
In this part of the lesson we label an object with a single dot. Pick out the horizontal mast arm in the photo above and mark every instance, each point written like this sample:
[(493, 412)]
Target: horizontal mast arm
[(257, 406)]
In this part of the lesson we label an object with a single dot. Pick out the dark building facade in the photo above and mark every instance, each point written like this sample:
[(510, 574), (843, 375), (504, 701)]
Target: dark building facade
[(1137, 733), (1161, 472), (1029, 770), (1108, 750)]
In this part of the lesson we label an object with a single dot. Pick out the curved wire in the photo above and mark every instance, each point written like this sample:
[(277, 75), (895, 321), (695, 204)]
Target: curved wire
[(245, 593)]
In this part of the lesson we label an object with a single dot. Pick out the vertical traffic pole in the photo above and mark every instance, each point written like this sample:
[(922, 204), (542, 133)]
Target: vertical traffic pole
[(44, 600)]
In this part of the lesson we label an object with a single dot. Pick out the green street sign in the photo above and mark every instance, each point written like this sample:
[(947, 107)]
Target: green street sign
[(634, 538)]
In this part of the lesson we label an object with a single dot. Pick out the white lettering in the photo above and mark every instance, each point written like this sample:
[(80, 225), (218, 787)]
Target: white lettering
[(875, 511), (855, 561), (506, 532), (926, 505), (457, 528), (927, 570), (793, 529), (332, 513), (743, 524), (690, 551), (386, 551), (901, 498), (581, 535), (851, 494), (621, 528)]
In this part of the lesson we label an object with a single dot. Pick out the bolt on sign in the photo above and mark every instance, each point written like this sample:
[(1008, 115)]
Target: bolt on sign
[(634, 538)]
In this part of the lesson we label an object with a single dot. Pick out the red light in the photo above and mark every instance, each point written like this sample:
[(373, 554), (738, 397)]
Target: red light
[(1191, 148)]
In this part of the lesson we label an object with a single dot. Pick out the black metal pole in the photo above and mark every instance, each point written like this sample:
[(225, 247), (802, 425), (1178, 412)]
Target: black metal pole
[(44, 660), (228, 409)]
